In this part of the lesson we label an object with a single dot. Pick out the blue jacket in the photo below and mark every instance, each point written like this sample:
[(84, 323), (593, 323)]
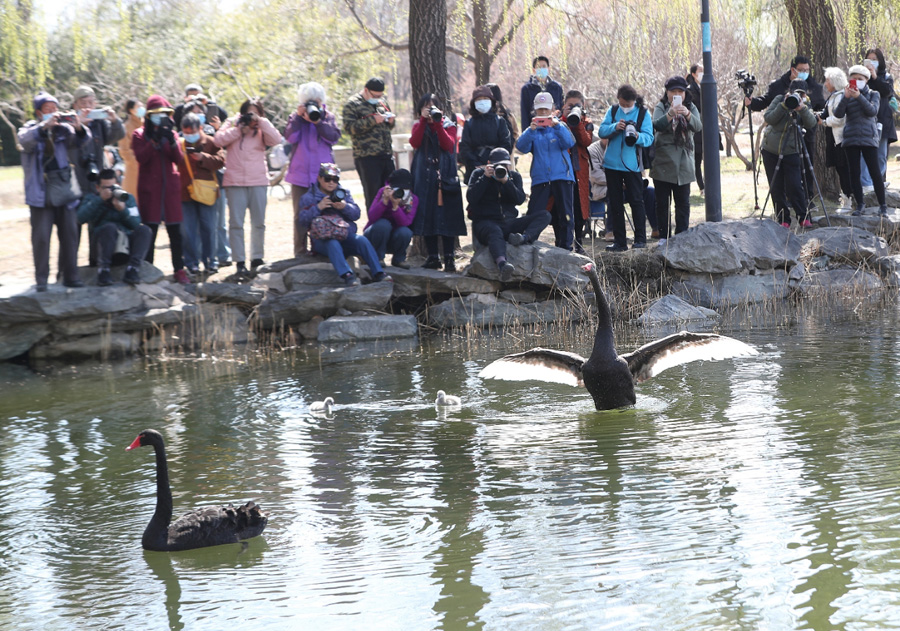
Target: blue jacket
[(97, 213), (550, 153), (619, 156), (309, 208)]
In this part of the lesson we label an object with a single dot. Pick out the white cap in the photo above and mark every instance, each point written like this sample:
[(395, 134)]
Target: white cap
[(543, 100)]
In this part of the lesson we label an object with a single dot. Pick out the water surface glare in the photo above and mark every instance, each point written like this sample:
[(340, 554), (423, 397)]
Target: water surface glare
[(761, 493)]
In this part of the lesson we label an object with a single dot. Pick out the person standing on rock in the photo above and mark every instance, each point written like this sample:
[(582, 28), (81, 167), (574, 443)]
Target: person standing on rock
[(494, 192), (369, 122)]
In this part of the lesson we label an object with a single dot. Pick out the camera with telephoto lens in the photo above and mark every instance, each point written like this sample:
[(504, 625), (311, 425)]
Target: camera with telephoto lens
[(436, 114), (793, 100), (500, 172), (337, 196), (91, 170), (313, 111), (575, 116), (631, 133), (119, 193), (746, 82)]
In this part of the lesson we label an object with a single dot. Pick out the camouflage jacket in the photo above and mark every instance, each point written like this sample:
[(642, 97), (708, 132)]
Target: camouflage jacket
[(369, 138)]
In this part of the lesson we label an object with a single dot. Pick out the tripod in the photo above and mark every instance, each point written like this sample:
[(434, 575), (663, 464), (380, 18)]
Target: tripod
[(749, 113)]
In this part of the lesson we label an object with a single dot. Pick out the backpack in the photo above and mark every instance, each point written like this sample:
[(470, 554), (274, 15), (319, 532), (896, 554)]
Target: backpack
[(646, 154)]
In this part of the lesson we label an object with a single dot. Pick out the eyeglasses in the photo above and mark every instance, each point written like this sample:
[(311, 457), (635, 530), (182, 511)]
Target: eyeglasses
[(331, 178), (109, 188)]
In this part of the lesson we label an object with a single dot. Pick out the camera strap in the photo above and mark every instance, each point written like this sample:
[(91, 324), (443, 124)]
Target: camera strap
[(642, 112)]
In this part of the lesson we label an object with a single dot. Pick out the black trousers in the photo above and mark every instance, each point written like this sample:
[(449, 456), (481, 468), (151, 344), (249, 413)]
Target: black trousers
[(174, 232), (698, 159), (616, 183), (494, 233), (561, 216), (373, 172), (682, 196), (43, 218), (579, 221), (105, 238), (786, 185), (870, 155), (433, 243)]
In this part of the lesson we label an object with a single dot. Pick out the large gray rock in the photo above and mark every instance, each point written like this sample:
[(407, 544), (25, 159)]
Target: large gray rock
[(270, 281), (300, 306), (674, 309), (842, 282), (18, 338), (428, 282), (721, 291), (486, 311), (871, 222), (850, 245), (341, 329), (286, 264), (68, 303), (311, 276), (891, 198), (537, 263), (889, 269), (103, 345), (230, 293), (729, 247)]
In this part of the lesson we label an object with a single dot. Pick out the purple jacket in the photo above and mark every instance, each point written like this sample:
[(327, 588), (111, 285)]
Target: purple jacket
[(403, 216), (312, 146), (33, 143)]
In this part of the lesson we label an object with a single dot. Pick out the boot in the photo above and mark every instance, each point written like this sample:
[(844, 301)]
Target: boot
[(432, 262), (449, 264)]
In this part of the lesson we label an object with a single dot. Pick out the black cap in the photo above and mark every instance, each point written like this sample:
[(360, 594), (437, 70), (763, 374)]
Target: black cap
[(375, 84), (676, 83), (499, 155), (401, 178)]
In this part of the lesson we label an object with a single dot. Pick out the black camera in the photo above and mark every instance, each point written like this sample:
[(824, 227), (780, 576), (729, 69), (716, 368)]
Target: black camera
[(631, 133), (67, 117), (398, 193), (119, 193), (337, 196), (575, 116), (500, 172), (246, 119), (313, 111), (166, 125), (436, 114), (793, 100), (91, 170), (746, 81)]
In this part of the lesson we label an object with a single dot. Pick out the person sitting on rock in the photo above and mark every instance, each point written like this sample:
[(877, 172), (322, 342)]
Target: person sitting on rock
[(494, 192), (390, 216), (109, 213), (326, 197)]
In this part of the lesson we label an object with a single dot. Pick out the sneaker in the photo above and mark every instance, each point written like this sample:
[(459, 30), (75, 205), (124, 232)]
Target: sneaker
[(212, 269), (859, 212), (515, 238), (350, 279), (785, 224), (449, 264), (131, 276), (432, 262), (194, 271), (615, 247), (395, 262), (225, 263), (40, 287), (382, 277), (181, 277), (256, 263), (506, 271), (74, 283), (242, 271), (661, 243), (104, 278), (638, 245), (882, 211), (807, 224)]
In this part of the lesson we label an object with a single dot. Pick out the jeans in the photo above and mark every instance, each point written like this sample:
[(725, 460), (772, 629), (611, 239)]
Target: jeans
[(67, 230), (338, 251), (222, 247), (138, 243), (864, 175), (682, 195), (494, 233), (198, 230), (616, 183), (385, 238), (562, 217), (240, 198)]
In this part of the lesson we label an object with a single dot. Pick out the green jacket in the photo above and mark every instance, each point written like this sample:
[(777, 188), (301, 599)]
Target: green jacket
[(369, 137), (97, 213), (780, 137), (672, 163)]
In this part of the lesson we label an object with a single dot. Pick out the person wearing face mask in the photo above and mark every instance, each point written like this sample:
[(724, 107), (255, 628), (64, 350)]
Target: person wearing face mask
[(539, 82), (369, 121), (483, 131), (134, 115), (695, 76), (202, 159), (882, 82)]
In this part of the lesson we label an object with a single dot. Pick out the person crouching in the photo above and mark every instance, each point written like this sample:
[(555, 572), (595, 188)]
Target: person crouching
[(390, 216)]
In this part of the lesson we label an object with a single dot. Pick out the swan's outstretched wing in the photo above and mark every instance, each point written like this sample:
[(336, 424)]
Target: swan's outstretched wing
[(538, 364), (680, 348)]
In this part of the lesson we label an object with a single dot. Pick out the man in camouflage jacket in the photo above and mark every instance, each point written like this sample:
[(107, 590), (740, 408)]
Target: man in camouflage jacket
[(369, 121)]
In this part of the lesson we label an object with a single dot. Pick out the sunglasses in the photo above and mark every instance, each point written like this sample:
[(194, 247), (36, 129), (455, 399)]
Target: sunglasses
[(331, 178)]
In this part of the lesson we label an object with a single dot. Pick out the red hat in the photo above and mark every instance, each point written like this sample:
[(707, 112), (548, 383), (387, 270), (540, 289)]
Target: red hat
[(157, 103)]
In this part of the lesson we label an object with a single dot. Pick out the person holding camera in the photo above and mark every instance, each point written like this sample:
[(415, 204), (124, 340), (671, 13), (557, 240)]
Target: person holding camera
[(158, 152), (539, 82), (676, 122), (435, 180), (369, 122), (51, 191), (552, 176), (861, 135), (313, 131), (483, 131), (882, 82), (582, 128), (781, 152), (326, 198), (246, 137), (193, 93), (113, 216), (628, 129), (494, 192), (199, 194), (835, 156), (390, 217), (106, 129)]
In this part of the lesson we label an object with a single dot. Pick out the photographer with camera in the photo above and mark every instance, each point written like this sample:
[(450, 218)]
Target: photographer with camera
[(313, 131), (114, 221), (676, 122), (390, 216), (246, 137), (552, 176), (193, 93), (835, 156), (51, 191), (158, 151), (494, 192), (326, 198), (484, 131), (106, 129), (576, 119), (861, 135), (629, 129), (369, 122), (539, 82), (781, 152)]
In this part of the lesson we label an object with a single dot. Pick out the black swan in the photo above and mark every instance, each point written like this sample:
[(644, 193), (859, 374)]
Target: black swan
[(608, 376), (202, 527)]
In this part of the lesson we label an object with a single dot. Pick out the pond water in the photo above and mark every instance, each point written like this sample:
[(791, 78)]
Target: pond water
[(759, 493)]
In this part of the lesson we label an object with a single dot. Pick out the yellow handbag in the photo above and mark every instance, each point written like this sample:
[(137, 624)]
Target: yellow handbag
[(205, 192)]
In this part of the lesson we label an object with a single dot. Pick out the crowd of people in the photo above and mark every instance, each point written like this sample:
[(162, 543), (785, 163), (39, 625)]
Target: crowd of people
[(199, 171)]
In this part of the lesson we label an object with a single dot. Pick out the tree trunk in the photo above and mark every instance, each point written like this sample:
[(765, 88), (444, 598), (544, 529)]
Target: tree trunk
[(428, 48)]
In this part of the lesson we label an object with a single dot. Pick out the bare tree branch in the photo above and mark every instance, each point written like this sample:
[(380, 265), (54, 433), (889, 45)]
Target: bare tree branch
[(511, 31)]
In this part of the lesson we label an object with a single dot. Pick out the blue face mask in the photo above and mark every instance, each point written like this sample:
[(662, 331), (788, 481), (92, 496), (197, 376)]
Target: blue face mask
[(141, 112), (874, 63), (202, 118), (542, 73), (373, 101), (803, 76), (46, 116), (192, 138), (156, 119), (483, 105)]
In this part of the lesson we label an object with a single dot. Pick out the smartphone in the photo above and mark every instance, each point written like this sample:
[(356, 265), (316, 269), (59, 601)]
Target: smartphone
[(543, 121), (97, 115), (676, 100), (389, 115)]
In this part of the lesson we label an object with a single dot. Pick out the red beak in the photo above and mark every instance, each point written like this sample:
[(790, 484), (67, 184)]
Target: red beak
[(587, 267), (136, 443)]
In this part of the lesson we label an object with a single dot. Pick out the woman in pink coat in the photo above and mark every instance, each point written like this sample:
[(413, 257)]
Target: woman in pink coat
[(246, 137), (159, 184)]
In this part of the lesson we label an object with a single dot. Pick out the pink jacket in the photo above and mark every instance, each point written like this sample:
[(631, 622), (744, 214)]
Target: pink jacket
[(245, 162)]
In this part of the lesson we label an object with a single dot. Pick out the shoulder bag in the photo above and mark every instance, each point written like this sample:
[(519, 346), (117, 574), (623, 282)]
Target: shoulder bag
[(329, 227), (204, 192)]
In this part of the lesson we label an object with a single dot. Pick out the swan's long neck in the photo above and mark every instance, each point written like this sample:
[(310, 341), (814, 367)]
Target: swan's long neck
[(157, 531), (603, 340)]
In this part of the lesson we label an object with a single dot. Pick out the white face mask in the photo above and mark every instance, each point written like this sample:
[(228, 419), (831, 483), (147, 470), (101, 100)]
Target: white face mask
[(699, 77), (483, 105), (626, 110)]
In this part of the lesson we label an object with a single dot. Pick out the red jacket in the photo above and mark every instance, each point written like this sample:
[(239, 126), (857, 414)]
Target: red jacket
[(581, 162), (159, 185)]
